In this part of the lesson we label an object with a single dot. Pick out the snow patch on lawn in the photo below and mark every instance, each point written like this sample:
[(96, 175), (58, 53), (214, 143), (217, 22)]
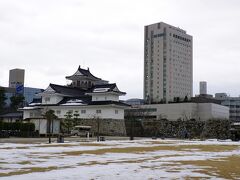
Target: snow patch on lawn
[(145, 165)]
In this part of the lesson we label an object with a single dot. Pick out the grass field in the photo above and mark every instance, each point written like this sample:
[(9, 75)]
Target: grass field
[(139, 159)]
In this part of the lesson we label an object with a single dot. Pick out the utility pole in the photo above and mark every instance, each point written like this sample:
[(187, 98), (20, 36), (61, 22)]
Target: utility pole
[(131, 134), (98, 128)]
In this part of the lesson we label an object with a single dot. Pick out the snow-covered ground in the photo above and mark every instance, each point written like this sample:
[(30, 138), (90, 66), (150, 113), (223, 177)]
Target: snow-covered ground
[(139, 159)]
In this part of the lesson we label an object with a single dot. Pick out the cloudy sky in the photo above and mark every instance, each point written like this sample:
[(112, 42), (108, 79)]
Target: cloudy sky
[(50, 38)]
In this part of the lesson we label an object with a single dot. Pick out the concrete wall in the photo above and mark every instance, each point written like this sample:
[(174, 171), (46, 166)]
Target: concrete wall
[(184, 111), (210, 110), (104, 97)]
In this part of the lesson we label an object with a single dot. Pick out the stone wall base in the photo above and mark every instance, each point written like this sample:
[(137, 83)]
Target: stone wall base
[(107, 127)]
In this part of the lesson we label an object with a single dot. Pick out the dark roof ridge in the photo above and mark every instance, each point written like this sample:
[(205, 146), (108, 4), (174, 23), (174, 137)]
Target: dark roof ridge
[(67, 90), (64, 86), (85, 72)]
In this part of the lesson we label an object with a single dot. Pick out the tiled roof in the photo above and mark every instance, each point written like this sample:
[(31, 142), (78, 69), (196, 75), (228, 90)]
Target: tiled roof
[(85, 100), (119, 103), (83, 72), (69, 91), (105, 88)]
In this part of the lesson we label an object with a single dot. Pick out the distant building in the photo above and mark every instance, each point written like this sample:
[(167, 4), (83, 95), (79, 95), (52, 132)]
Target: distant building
[(16, 77), (16, 87), (168, 63), (11, 117), (29, 94), (203, 87), (203, 93), (134, 101), (9, 92), (233, 103)]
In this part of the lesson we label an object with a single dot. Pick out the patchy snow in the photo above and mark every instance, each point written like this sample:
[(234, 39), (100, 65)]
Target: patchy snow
[(29, 108), (101, 90), (76, 160), (72, 104), (35, 104)]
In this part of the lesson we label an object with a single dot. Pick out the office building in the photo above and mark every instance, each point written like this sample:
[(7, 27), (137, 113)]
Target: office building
[(16, 87), (233, 103), (16, 77), (29, 94), (168, 63), (203, 87)]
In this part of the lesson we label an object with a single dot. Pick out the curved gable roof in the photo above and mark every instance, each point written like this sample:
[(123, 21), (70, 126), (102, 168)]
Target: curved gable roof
[(83, 72), (106, 88)]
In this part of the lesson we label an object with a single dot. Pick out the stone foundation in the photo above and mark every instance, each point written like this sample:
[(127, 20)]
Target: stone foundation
[(214, 128), (107, 127)]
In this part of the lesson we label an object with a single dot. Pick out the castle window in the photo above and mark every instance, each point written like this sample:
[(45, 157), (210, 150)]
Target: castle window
[(47, 99), (98, 111)]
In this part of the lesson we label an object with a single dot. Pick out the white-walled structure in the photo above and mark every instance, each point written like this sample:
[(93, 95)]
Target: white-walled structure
[(88, 96), (185, 111)]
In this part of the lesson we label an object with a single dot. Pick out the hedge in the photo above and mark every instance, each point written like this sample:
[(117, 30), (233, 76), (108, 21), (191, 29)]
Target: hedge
[(17, 126)]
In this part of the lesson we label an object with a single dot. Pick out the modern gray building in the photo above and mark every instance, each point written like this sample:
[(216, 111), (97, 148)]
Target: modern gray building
[(16, 76), (16, 86), (203, 87), (233, 103), (168, 63), (29, 94)]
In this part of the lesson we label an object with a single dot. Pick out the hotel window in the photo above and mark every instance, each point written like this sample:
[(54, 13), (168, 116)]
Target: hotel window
[(116, 111), (58, 112), (83, 111)]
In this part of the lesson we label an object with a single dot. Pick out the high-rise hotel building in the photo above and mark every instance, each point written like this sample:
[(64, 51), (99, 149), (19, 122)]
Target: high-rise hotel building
[(168, 63)]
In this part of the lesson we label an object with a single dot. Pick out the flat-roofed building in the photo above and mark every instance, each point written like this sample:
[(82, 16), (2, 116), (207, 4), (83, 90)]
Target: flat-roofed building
[(168, 63), (183, 111), (16, 77)]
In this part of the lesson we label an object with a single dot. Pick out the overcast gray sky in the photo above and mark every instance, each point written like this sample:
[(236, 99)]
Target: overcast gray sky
[(50, 38)]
